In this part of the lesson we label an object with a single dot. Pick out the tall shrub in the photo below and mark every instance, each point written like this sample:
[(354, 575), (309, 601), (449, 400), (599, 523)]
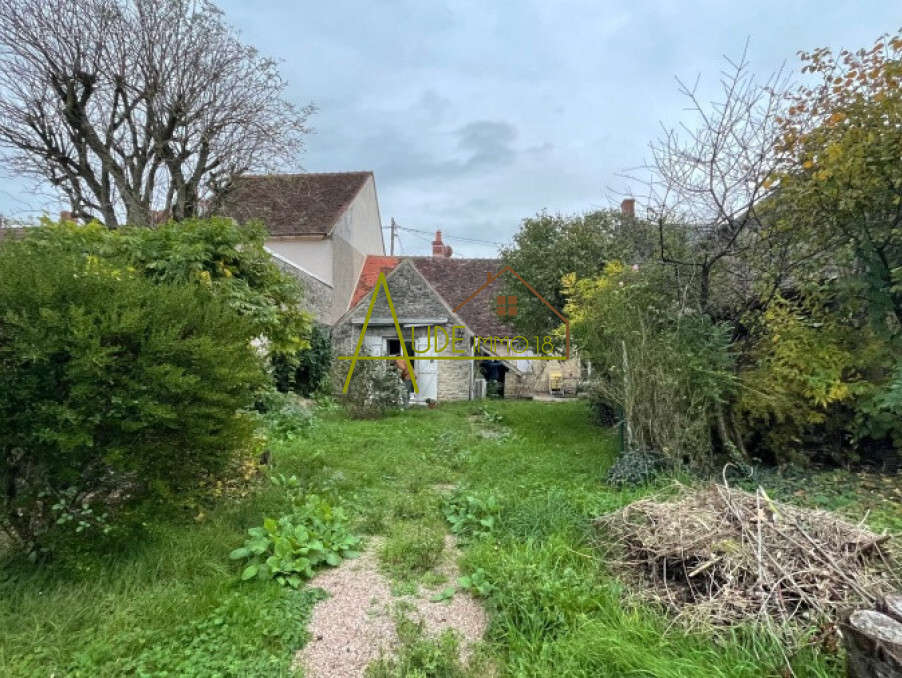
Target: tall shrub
[(114, 391), (227, 259), (665, 366)]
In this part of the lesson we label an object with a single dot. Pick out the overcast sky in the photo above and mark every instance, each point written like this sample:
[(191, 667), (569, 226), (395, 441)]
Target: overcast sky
[(474, 115)]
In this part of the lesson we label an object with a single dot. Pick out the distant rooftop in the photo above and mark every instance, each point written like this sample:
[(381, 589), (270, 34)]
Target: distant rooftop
[(294, 204)]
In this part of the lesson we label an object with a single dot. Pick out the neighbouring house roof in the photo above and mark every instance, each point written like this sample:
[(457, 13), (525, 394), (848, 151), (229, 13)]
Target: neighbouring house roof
[(294, 204), (455, 280)]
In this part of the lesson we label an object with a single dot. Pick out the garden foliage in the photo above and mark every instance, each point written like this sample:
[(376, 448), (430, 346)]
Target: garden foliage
[(117, 390), (129, 359), (290, 548)]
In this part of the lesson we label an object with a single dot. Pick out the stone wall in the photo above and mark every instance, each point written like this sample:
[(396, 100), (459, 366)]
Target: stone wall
[(317, 296), (454, 378)]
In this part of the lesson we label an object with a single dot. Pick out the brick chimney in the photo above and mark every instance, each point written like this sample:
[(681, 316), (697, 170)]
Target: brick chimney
[(628, 207), (440, 249)]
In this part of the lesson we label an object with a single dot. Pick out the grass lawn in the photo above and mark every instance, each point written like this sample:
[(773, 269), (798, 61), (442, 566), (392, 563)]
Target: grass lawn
[(529, 478)]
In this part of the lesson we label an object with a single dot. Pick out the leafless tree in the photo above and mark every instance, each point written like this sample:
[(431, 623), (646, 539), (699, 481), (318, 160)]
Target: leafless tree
[(710, 178), (135, 109)]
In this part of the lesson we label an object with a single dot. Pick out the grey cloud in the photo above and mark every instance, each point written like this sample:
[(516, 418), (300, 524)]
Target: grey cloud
[(488, 141)]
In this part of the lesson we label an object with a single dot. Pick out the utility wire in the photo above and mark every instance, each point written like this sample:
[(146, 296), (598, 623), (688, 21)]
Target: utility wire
[(448, 237)]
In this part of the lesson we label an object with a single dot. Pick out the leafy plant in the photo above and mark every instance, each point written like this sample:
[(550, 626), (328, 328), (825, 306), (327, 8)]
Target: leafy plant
[(471, 516), (238, 637), (477, 583), (291, 548)]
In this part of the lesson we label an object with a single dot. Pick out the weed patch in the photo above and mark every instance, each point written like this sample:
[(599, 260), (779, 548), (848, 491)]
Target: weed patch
[(411, 548), (420, 655)]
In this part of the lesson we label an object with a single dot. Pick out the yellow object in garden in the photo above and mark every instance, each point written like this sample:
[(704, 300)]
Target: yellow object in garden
[(555, 381)]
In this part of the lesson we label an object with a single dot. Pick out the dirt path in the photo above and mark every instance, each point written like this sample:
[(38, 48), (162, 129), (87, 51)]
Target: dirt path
[(356, 623)]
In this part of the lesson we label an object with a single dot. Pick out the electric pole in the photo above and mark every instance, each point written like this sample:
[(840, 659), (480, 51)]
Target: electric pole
[(394, 230)]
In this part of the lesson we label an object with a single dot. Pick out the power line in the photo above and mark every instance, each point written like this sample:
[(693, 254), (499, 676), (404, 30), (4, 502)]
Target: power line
[(395, 227)]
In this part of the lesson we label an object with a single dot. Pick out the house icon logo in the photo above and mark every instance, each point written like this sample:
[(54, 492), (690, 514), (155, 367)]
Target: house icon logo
[(504, 306)]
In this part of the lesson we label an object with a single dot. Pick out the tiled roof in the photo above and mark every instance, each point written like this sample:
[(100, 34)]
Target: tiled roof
[(293, 204), (457, 279), (454, 280), (372, 267)]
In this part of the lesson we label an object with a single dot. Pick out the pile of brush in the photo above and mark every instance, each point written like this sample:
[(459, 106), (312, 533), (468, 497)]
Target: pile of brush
[(721, 556)]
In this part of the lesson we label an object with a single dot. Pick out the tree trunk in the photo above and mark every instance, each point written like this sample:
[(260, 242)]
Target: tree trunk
[(873, 641)]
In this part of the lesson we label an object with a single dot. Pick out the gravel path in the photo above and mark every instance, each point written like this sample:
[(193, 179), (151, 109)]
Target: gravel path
[(355, 624)]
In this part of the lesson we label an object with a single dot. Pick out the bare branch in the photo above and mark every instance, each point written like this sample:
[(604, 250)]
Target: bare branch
[(135, 107)]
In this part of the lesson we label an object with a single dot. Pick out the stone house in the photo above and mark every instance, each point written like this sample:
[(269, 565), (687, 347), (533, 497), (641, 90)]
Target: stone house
[(321, 228), (449, 312)]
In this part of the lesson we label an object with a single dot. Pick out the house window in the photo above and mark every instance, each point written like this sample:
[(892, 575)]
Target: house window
[(393, 347), (506, 306)]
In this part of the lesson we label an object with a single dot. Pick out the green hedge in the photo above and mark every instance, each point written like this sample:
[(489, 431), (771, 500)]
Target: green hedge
[(115, 390)]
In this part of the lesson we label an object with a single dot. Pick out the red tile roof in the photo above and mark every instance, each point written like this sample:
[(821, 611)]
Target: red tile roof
[(293, 204), (372, 267)]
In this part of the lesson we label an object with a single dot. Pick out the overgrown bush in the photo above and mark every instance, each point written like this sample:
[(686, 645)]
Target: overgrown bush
[(801, 387), (283, 417), (305, 371), (666, 367), (374, 389), (227, 259), (116, 391), (879, 410)]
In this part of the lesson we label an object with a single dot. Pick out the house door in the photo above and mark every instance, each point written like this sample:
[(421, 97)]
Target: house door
[(426, 371)]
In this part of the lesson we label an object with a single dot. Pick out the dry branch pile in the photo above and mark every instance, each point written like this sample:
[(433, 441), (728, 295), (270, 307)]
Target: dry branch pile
[(720, 556)]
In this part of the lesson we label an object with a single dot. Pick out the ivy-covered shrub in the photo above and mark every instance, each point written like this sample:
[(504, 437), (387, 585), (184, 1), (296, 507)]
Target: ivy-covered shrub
[(115, 390), (374, 389), (635, 467)]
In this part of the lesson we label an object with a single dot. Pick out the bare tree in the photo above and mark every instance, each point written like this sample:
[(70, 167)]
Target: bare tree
[(138, 108), (708, 181)]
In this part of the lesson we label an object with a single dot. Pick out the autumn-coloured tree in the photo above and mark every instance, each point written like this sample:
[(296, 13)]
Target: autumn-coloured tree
[(840, 186)]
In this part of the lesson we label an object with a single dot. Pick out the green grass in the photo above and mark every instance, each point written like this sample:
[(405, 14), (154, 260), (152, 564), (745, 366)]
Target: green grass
[(172, 603), (412, 548)]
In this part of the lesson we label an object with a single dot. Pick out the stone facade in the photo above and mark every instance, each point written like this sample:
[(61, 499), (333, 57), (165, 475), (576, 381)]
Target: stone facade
[(455, 379), (417, 305), (318, 298)]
